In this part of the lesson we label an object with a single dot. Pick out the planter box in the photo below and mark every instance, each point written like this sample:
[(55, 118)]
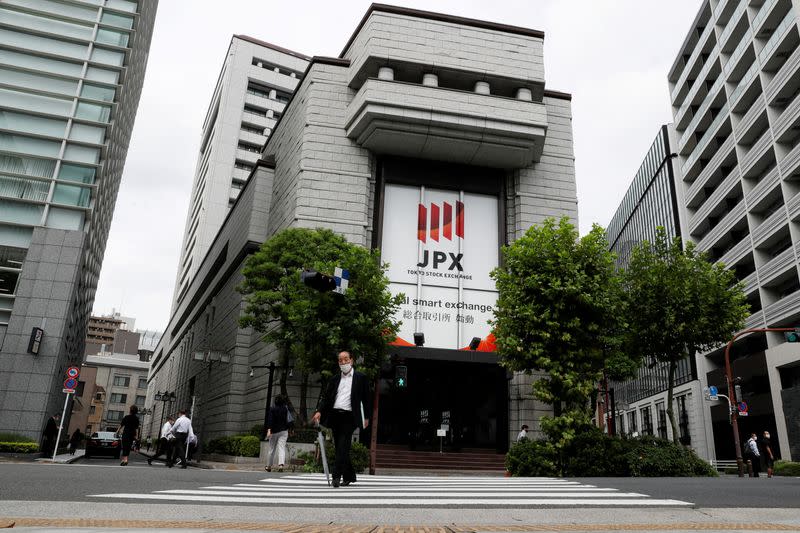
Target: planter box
[(292, 449), (220, 458)]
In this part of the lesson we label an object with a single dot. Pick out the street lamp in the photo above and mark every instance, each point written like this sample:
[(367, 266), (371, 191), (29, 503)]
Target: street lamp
[(734, 411), (163, 397), (271, 366)]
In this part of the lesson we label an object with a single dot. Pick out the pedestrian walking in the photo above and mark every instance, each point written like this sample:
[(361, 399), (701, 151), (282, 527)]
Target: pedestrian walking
[(343, 409), (75, 441), (164, 446), (180, 430), (523, 433), (191, 444), (767, 454), (754, 453), (278, 425), (50, 435), (128, 429)]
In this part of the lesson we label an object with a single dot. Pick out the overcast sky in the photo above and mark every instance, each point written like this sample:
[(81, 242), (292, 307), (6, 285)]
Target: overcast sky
[(611, 55)]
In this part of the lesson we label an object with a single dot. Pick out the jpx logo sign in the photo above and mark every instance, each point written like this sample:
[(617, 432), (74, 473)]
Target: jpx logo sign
[(441, 225)]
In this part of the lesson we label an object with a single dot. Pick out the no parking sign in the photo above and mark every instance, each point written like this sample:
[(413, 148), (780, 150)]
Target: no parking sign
[(73, 372)]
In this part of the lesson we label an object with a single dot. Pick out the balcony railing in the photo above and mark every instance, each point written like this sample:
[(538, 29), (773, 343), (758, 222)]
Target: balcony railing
[(732, 23), (711, 202), (756, 151), (710, 168), (701, 42), (712, 94), (783, 75), (755, 111), (785, 307), (767, 228), (763, 187), (773, 42), (787, 117), (723, 227), (737, 54), (750, 283), (710, 132), (777, 265), (790, 162), (766, 9), (744, 83), (793, 207), (755, 320), (733, 255)]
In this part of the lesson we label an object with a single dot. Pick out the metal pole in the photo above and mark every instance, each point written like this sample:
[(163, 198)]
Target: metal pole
[(60, 425), (269, 395), (731, 394), (373, 439), (613, 421)]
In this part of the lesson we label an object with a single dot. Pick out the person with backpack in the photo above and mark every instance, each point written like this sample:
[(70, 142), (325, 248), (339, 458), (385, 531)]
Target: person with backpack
[(279, 421)]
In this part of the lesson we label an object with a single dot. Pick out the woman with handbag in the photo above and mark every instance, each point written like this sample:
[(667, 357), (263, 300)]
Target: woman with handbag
[(278, 423)]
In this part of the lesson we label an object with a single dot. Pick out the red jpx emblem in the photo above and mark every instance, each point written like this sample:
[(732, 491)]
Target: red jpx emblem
[(440, 219)]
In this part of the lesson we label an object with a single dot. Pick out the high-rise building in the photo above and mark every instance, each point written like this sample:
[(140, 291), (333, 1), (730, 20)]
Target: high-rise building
[(639, 405), (430, 132), (72, 73), (256, 81), (735, 94)]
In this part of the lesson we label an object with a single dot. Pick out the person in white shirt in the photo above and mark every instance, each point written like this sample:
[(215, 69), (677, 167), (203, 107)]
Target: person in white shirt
[(755, 454), (164, 442), (181, 430), (523, 434)]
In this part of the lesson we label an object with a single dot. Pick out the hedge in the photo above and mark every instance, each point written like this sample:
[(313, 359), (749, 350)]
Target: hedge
[(595, 454), (19, 447), (786, 468), (14, 437), (237, 445)]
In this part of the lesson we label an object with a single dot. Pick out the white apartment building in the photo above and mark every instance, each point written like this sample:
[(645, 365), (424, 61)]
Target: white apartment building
[(255, 84), (735, 93)]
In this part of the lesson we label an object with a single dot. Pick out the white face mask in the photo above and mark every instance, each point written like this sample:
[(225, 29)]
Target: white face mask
[(345, 368)]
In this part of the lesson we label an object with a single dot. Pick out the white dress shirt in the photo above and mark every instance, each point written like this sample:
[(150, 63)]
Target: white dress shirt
[(181, 425), (165, 431), (343, 394)]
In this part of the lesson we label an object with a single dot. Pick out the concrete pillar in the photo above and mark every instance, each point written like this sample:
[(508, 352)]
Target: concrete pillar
[(523, 93), (430, 80), (483, 87), (386, 73)]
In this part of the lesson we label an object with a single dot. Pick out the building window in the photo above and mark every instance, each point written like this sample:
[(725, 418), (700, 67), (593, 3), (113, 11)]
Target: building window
[(252, 129), (92, 409), (114, 416), (99, 396), (80, 389), (139, 401), (142, 383), (122, 381), (632, 428), (683, 421), (662, 420), (249, 147), (118, 398), (243, 166), (647, 421)]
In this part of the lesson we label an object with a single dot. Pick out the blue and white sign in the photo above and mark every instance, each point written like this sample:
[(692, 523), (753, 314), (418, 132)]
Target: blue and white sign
[(342, 278)]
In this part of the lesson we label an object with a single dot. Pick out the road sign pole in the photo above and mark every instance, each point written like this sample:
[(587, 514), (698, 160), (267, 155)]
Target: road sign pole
[(60, 426)]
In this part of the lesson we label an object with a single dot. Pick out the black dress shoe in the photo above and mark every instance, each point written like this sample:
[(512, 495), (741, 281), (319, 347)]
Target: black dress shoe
[(345, 483), (335, 483)]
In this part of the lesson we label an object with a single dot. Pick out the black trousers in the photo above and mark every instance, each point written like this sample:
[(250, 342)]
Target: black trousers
[(343, 426), (164, 448), (179, 448)]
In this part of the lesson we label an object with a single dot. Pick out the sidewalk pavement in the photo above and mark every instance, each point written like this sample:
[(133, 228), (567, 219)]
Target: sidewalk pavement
[(62, 458)]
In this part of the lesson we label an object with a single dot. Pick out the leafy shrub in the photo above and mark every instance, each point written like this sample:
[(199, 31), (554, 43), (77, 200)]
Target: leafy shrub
[(19, 447), (236, 445), (531, 458), (307, 435), (14, 437), (257, 431), (787, 468), (359, 455), (594, 454)]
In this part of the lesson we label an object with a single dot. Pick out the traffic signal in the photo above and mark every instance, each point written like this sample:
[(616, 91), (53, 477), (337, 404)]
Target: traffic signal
[(317, 280), (401, 376), (792, 336)]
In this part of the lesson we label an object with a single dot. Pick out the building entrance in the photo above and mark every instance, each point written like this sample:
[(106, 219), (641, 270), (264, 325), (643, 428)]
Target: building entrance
[(467, 399)]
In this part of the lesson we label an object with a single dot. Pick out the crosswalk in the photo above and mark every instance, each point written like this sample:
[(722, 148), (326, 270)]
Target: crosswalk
[(407, 491)]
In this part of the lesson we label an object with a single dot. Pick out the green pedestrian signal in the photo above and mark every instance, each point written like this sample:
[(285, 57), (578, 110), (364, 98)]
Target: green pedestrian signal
[(792, 336), (401, 376)]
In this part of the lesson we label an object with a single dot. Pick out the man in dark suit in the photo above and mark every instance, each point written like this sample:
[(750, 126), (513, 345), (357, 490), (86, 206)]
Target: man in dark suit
[(344, 407)]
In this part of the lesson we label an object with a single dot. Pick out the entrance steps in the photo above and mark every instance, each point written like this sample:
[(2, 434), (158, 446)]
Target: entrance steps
[(473, 459)]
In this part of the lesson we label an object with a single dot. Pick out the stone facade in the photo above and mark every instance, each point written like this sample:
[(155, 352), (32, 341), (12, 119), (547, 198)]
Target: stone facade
[(320, 168)]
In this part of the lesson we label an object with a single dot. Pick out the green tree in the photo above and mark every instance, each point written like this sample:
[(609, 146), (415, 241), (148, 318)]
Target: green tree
[(558, 311), (679, 304), (308, 326)]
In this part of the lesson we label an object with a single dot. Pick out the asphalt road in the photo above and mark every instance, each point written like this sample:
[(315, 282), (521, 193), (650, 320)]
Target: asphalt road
[(75, 482)]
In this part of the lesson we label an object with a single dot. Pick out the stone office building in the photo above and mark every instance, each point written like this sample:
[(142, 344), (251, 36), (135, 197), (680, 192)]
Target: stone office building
[(429, 133)]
